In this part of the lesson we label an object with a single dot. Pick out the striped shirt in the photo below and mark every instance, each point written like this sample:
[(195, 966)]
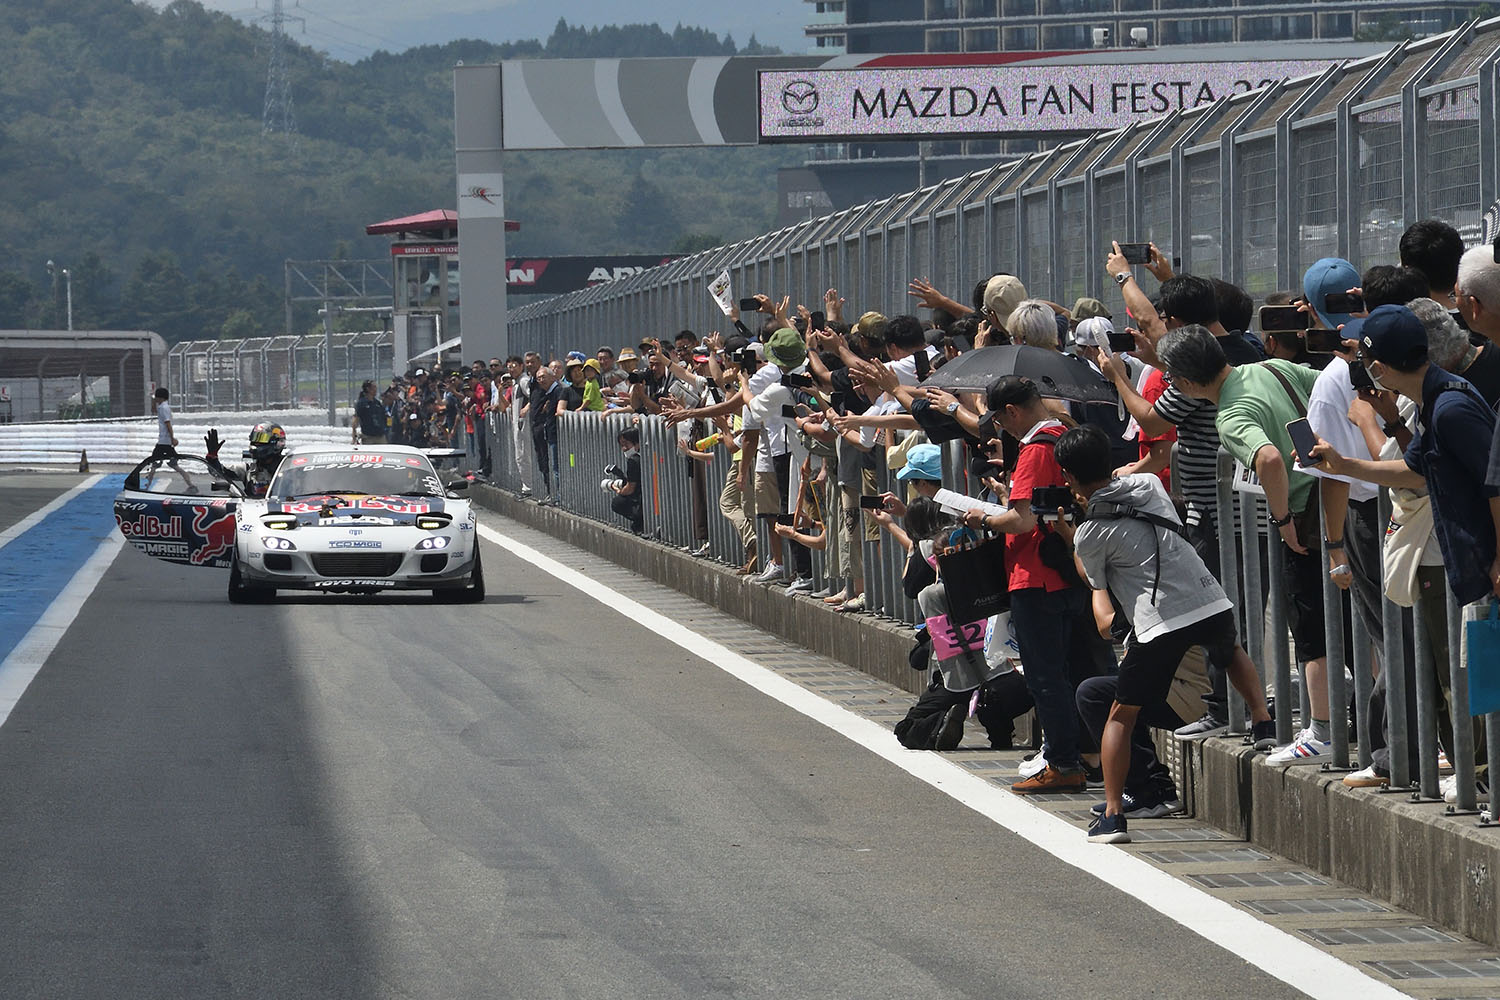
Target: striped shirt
[(1197, 453)]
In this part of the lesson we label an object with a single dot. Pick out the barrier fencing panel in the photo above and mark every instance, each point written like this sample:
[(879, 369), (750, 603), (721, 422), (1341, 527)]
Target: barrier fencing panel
[(275, 373)]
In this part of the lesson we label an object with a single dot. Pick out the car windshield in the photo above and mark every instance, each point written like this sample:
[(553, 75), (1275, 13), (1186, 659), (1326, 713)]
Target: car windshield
[(355, 474)]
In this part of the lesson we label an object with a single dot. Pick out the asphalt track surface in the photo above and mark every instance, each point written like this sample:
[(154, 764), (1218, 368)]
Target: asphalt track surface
[(532, 798)]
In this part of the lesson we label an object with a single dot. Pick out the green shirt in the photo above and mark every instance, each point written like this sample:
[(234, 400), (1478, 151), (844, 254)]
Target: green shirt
[(593, 399), (1254, 409)]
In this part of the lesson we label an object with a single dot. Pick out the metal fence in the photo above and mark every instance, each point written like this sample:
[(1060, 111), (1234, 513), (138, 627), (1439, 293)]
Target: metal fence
[(1252, 575), (271, 373), (1252, 188)]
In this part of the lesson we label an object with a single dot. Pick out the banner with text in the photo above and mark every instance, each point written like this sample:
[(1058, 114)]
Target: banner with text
[(558, 275), (996, 101)]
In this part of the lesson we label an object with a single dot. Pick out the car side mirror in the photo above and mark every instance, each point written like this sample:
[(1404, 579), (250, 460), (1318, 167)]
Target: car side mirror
[(220, 487), (457, 484)]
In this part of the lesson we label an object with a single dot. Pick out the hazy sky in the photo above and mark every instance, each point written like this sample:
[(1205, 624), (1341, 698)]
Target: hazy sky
[(352, 29)]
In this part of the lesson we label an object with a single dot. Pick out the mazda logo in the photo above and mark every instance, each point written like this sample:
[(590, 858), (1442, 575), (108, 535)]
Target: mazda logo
[(799, 97)]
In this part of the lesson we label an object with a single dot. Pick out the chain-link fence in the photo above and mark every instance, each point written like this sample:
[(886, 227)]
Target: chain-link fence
[(1252, 188), (274, 373)]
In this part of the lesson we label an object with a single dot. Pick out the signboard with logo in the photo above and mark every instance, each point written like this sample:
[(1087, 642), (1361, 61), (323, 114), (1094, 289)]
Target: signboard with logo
[(556, 275), (998, 100)]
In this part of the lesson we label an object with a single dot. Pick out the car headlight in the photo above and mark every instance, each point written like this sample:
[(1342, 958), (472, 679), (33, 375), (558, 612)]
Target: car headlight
[(278, 543), (435, 542), (433, 522)]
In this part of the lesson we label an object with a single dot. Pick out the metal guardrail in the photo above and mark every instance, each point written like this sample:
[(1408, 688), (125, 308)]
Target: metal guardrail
[(265, 373)]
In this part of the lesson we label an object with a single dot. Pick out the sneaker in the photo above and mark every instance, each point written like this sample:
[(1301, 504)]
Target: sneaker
[(821, 595), (1444, 767), (1449, 786), (1109, 830), (951, 733), (801, 585), (701, 550), (1094, 776), (770, 573), (1302, 750), (836, 598), (1263, 734), (1133, 808), (525, 492), (1367, 778), (1052, 780), (1203, 728), (853, 605), (1032, 766)]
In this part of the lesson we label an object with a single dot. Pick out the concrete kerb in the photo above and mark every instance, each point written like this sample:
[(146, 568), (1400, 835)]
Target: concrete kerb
[(879, 648), (1440, 867)]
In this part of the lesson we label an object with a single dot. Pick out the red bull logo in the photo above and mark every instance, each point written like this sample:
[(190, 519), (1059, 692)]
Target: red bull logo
[(151, 526), (215, 527)]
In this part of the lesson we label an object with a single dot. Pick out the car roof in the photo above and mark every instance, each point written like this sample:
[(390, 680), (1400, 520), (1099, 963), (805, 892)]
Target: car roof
[(350, 449)]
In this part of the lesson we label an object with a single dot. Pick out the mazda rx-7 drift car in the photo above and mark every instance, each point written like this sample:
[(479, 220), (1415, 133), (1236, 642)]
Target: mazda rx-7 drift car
[(333, 519)]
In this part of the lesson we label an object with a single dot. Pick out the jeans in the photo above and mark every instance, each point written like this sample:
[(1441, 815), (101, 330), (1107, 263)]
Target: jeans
[(1148, 778), (1057, 654)]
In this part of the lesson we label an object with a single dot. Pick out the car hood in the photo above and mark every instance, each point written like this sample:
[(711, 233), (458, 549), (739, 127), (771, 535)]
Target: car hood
[(312, 511)]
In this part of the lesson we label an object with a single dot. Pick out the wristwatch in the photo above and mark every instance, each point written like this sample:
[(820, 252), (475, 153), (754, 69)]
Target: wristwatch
[(951, 408), (1122, 277), (1279, 522)]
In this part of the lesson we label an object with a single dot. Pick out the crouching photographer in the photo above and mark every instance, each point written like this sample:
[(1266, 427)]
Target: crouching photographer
[(625, 483)]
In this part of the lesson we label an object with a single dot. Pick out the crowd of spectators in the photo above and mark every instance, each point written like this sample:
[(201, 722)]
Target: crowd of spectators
[(1096, 524)]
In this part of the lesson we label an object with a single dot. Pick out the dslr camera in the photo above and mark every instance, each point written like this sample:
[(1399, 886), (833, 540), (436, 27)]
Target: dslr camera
[(613, 475)]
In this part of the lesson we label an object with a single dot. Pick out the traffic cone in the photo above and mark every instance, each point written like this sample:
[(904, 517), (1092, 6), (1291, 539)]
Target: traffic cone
[(83, 460)]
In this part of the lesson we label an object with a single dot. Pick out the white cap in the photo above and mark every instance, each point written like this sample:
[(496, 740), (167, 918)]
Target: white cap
[(1093, 332)]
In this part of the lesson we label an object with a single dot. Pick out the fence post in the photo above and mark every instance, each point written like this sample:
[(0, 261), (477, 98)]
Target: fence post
[(1463, 726)]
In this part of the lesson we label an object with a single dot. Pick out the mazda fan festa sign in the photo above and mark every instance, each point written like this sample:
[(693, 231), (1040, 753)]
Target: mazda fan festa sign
[(958, 101)]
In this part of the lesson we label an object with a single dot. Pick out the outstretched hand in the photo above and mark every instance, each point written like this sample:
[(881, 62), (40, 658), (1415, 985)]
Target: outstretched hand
[(212, 443)]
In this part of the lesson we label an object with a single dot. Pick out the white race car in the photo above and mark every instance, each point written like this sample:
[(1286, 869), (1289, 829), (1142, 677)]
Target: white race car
[(333, 519)]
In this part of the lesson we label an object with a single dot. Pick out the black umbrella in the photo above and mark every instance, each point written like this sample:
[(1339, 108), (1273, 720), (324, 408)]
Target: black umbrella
[(1058, 376)]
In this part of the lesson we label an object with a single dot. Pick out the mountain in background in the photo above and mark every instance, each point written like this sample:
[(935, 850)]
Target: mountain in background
[(132, 150)]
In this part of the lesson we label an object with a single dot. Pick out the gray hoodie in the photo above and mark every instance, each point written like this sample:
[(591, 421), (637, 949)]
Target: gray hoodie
[(1131, 558)]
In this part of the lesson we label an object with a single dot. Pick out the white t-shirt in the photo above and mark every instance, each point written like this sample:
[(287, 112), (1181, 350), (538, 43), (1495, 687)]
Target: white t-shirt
[(905, 370), (163, 418), (1328, 415)]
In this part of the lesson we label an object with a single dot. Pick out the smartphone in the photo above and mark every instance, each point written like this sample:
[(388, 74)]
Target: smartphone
[(1304, 441), (1343, 302), (1359, 378), (1282, 319), (1045, 500), (788, 411), (1136, 253), (1121, 342), (867, 502), (1324, 341), (817, 320), (749, 305), (796, 381), (786, 519)]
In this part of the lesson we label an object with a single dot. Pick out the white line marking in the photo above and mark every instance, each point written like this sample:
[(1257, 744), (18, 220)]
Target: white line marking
[(33, 519), (1273, 951), (26, 660)]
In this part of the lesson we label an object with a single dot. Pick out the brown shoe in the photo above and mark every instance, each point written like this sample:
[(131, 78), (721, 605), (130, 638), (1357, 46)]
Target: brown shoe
[(1050, 779)]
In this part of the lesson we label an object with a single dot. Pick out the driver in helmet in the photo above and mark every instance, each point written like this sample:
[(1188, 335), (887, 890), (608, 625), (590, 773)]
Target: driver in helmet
[(267, 446)]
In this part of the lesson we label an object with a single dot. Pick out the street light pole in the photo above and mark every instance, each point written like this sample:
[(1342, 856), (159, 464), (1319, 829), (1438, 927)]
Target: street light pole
[(67, 281)]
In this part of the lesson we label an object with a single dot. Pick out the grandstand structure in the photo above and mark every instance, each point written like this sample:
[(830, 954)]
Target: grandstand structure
[(1251, 188)]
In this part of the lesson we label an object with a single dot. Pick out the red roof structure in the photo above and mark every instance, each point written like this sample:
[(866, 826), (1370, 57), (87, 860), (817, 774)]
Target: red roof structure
[(438, 223)]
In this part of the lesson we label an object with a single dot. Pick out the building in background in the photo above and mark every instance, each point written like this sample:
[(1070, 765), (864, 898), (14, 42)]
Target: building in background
[(838, 175)]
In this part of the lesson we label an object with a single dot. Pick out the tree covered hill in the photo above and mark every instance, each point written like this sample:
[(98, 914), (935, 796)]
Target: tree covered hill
[(132, 153)]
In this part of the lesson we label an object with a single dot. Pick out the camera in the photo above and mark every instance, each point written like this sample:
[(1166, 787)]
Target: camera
[(636, 377), (1045, 500), (796, 381), (613, 471)]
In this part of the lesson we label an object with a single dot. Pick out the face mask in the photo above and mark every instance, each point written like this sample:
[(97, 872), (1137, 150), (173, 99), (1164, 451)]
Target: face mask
[(631, 452)]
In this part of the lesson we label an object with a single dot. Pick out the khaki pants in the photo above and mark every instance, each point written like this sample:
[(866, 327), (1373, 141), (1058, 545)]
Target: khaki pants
[(737, 509)]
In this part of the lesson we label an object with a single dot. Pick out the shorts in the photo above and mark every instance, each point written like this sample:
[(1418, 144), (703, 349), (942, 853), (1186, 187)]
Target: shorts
[(1147, 670), (162, 451)]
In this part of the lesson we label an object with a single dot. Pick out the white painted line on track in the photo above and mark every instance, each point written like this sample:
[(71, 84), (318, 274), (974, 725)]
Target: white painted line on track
[(26, 660), (33, 519), (1273, 951)]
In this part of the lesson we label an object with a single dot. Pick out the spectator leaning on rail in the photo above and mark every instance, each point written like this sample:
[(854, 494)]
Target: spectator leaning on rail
[(1129, 549), (1254, 405)]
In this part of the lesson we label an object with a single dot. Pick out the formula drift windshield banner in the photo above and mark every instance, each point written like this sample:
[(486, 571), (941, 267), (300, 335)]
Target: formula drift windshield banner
[(957, 101)]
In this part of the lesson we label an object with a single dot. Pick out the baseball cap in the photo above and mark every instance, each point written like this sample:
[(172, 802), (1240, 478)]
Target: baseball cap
[(1392, 334), (1089, 308), (1093, 332), (786, 348), (869, 321), (1325, 277), (700, 357), (419, 373), (1002, 294), (923, 461)]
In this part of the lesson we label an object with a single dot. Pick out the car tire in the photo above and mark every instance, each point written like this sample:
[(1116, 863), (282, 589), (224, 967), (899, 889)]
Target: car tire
[(241, 592), (474, 592)]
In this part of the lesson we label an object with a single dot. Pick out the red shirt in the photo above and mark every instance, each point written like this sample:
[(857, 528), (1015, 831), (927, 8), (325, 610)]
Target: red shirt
[(1156, 384), (1035, 466)]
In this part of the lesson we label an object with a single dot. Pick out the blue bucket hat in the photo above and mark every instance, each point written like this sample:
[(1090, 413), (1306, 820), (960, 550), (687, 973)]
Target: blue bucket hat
[(924, 461), (1325, 277)]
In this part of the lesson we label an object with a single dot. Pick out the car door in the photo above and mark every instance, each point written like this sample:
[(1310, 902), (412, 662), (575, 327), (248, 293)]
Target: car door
[(180, 510)]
